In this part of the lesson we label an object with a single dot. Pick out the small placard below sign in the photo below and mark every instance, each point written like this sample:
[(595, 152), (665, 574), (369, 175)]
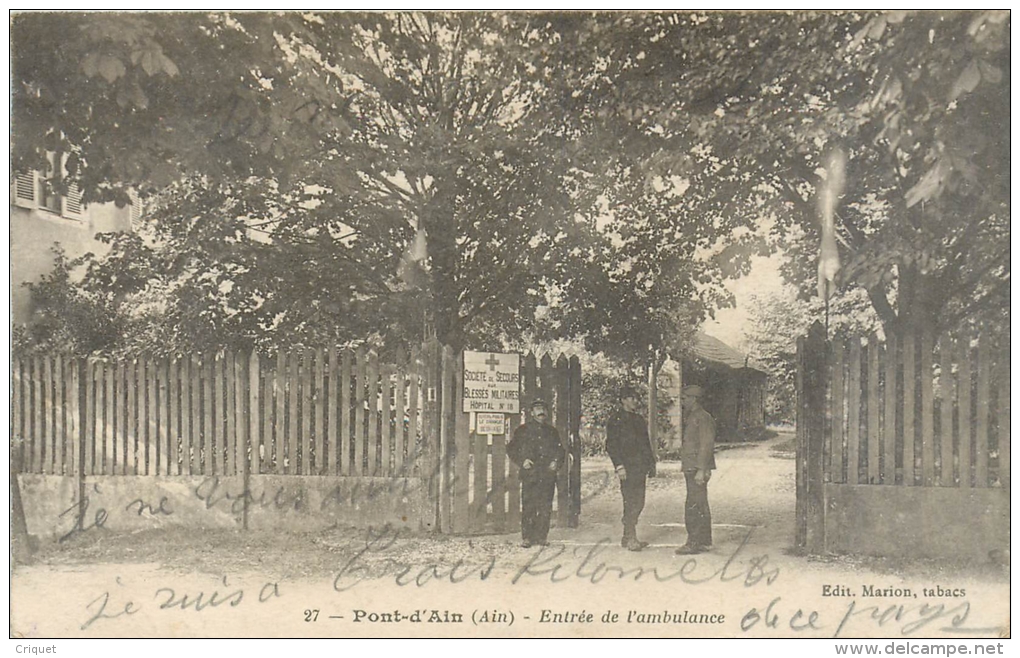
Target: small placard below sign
[(488, 423)]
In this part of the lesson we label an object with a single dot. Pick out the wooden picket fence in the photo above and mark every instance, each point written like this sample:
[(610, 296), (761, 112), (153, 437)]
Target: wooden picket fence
[(481, 485), (309, 412), (908, 411), (338, 413), (914, 411)]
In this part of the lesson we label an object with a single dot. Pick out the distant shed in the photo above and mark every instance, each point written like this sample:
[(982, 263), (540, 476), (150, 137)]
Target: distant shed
[(734, 389), (734, 386)]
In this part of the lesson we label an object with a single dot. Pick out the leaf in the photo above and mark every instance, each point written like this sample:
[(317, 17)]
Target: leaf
[(111, 68), (168, 65), (990, 72), (90, 65), (149, 62), (967, 82), (878, 29), (929, 185)]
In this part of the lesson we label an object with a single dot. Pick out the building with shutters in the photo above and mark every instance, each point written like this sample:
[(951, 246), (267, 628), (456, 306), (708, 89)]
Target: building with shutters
[(42, 218)]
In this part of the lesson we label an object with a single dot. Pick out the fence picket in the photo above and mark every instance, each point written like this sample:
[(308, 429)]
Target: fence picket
[(187, 413), (873, 411), (927, 420), (280, 425), (74, 403), (1003, 418), (479, 458), (497, 493), (853, 438), (174, 417), (241, 419), (243, 438), (48, 435), (563, 429), (334, 411), (256, 411), (90, 418), (947, 403), (59, 414), (319, 402), (837, 430), (374, 433), (909, 405), (389, 418), (160, 418), (400, 428), (110, 418), (221, 422), (360, 421), (442, 378), (346, 449), (983, 409), (889, 413), (268, 405), (230, 414), (800, 472), (208, 414), (412, 448), (964, 391), (131, 425), (38, 433), (306, 411), (574, 425), (293, 417), (122, 438), (17, 409), (463, 518)]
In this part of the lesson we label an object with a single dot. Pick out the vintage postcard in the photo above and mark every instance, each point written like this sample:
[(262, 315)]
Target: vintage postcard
[(685, 324)]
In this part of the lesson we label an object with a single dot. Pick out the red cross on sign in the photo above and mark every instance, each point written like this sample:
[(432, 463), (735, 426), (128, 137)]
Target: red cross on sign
[(492, 382)]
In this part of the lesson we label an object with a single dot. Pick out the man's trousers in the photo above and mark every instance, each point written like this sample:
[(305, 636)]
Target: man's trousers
[(536, 508), (633, 490), (697, 515)]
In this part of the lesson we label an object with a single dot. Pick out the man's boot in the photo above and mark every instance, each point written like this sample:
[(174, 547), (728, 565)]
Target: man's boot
[(629, 534)]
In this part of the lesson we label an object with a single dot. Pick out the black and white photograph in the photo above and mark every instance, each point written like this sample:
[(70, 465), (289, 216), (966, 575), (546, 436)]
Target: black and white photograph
[(511, 324)]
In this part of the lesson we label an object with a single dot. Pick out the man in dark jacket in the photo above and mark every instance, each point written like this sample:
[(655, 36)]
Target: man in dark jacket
[(628, 446), (697, 452), (537, 451)]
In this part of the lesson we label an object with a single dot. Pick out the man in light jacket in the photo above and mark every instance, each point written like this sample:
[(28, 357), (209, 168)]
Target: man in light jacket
[(697, 454)]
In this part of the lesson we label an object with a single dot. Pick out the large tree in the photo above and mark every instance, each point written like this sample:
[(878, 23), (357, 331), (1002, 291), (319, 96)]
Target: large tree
[(297, 156), (347, 137), (743, 107)]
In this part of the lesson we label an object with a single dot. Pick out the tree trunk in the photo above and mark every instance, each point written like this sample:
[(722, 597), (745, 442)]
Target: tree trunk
[(21, 546), (442, 247)]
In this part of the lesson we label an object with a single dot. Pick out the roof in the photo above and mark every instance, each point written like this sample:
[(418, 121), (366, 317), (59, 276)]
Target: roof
[(712, 349)]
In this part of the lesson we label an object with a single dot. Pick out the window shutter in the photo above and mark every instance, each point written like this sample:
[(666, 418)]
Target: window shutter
[(24, 193), (72, 202), (136, 211)]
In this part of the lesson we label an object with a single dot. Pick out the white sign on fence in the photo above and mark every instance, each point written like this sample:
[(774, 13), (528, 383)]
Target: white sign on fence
[(492, 382), (490, 423)]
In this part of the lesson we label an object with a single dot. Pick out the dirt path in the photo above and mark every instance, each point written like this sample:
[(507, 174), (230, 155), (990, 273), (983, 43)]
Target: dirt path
[(234, 584), (751, 491)]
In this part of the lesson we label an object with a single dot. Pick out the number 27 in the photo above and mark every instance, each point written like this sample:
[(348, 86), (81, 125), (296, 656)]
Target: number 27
[(311, 615)]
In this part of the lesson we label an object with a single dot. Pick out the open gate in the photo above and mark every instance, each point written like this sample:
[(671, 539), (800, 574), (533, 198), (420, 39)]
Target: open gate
[(475, 487)]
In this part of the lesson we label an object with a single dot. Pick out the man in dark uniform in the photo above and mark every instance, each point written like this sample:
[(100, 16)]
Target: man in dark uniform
[(537, 451), (628, 446), (697, 454)]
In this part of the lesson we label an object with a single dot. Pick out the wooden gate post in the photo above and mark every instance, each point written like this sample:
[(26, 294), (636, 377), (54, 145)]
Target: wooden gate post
[(815, 387), (574, 430)]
